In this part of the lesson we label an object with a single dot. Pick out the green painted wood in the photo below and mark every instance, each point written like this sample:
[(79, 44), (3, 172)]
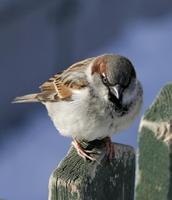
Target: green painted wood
[(76, 178), (154, 174)]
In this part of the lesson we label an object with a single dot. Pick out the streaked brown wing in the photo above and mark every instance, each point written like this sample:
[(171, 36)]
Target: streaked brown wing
[(61, 85)]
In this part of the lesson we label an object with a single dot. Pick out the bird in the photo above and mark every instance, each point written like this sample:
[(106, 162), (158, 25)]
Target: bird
[(91, 100)]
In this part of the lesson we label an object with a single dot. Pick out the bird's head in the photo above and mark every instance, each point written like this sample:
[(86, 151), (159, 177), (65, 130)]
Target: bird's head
[(116, 75)]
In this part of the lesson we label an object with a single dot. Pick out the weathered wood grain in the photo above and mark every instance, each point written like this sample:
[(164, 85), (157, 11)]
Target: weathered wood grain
[(76, 178), (154, 174)]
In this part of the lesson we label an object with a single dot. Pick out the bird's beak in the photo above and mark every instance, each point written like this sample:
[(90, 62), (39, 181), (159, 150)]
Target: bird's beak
[(117, 90)]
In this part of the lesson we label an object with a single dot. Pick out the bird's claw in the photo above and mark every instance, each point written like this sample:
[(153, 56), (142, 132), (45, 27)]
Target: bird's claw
[(82, 152)]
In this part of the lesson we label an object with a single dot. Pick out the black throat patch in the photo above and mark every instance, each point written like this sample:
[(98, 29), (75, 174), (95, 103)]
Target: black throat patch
[(117, 105)]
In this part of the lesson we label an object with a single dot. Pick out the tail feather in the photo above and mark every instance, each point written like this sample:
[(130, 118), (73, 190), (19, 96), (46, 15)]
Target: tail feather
[(26, 98)]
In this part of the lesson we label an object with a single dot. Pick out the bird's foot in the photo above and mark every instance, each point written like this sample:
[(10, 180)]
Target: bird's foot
[(110, 151), (82, 152)]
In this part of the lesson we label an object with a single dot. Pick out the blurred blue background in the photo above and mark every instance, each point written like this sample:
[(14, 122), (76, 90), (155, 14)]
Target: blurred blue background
[(39, 38)]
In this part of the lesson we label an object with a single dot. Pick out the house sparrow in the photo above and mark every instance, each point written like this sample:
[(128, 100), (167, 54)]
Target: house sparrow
[(92, 99)]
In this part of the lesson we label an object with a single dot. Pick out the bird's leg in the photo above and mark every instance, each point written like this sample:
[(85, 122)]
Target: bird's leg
[(81, 151), (109, 148)]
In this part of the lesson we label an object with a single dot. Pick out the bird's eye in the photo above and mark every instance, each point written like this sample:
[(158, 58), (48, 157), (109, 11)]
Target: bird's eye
[(104, 79)]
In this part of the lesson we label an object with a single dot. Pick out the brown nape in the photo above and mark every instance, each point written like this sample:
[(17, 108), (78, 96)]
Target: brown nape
[(99, 65)]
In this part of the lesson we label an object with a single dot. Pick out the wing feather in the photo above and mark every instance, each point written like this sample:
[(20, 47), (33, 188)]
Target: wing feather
[(60, 86)]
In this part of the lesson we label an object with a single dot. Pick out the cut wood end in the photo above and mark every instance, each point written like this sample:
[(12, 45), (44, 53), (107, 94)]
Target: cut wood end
[(161, 130)]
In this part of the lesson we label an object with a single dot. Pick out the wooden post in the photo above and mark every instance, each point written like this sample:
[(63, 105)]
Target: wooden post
[(79, 179), (154, 174)]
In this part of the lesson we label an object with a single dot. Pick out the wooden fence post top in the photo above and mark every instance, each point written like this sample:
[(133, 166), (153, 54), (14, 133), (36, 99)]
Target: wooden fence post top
[(76, 178), (154, 175)]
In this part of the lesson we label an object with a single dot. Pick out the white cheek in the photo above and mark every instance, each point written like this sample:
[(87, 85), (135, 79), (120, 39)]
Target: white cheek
[(128, 97), (96, 83), (130, 94)]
